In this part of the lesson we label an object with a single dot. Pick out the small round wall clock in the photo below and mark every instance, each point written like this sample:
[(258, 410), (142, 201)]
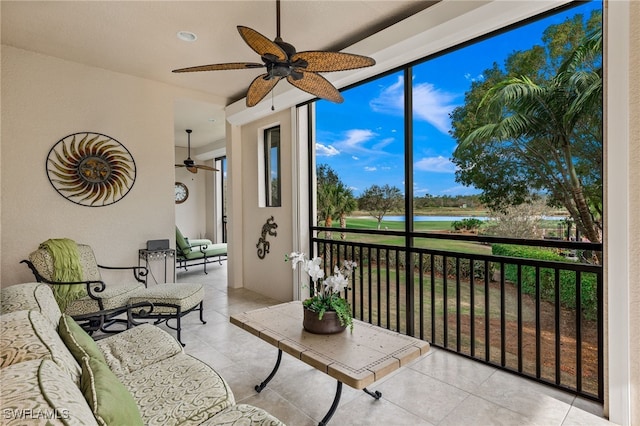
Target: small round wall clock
[(91, 169), (182, 193)]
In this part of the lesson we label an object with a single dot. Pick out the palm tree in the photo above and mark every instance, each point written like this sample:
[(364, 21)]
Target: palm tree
[(345, 204), (326, 206), (546, 124), (335, 199)]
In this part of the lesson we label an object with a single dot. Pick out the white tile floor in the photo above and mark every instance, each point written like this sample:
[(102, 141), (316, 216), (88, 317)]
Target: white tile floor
[(439, 388)]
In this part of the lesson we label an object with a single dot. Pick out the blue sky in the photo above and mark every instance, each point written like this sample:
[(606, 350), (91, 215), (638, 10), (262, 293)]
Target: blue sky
[(362, 139)]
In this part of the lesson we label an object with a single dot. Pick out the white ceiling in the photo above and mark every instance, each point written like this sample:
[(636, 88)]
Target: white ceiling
[(139, 38)]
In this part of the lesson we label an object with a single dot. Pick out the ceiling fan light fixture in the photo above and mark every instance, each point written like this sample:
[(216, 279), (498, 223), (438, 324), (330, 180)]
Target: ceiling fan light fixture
[(187, 36)]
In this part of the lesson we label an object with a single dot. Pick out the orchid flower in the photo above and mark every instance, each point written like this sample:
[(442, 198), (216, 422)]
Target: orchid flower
[(313, 267)]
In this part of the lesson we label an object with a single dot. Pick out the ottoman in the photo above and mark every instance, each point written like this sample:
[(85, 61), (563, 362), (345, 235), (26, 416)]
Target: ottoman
[(171, 301)]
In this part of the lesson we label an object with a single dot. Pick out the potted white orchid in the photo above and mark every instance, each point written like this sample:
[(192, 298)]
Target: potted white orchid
[(325, 296)]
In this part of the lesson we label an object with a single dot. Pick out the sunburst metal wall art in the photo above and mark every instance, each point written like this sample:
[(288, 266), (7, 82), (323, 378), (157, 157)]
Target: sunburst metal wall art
[(91, 169)]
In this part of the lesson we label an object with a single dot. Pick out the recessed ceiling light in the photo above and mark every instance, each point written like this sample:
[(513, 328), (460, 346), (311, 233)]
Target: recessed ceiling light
[(187, 36)]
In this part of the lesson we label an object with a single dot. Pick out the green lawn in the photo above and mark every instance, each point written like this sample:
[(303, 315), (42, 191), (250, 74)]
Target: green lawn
[(436, 244)]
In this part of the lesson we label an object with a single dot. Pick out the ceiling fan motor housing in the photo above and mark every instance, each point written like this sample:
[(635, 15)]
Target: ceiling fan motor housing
[(286, 47), (278, 69)]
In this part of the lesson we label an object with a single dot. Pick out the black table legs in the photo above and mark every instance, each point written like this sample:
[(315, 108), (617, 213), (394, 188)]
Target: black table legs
[(336, 398), (273, 373), (334, 405)]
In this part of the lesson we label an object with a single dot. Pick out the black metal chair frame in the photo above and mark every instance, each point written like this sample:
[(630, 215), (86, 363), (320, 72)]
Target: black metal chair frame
[(184, 263), (102, 319), (165, 317)]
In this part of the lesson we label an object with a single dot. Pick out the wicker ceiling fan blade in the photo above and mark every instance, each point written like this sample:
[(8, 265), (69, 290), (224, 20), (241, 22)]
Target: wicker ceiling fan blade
[(203, 167), (222, 67), (319, 61), (260, 44), (316, 85), (281, 60), (259, 88), (194, 168)]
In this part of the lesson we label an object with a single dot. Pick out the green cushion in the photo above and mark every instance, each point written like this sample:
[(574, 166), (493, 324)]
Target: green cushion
[(218, 249), (109, 400), (182, 243), (79, 343)]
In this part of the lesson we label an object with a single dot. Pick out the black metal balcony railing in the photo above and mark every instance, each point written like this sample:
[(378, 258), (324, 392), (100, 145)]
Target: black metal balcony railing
[(539, 319)]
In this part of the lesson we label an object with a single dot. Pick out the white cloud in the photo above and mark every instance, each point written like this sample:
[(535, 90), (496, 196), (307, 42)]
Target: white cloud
[(429, 103), (370, 169), (391, 99), (433, 106), (460, 190), (479, 77), (355, 142), (326, 150), (384, 142), (356, 138), (437, 164)]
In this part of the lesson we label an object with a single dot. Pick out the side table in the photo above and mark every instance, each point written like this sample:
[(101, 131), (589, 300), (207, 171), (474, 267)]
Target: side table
[(158, 255)]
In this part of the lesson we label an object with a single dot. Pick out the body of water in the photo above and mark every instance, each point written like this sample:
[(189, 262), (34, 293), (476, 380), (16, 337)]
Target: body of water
[(400, 218)]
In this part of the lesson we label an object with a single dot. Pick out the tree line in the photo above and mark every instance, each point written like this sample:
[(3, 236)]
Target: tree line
[(337, 201)]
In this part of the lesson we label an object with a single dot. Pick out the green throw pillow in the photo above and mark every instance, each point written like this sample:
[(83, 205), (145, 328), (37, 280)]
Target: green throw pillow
[(79, 343), (109, 400)]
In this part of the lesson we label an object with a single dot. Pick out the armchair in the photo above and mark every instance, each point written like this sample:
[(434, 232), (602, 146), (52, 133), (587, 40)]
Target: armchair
[(98, 306)]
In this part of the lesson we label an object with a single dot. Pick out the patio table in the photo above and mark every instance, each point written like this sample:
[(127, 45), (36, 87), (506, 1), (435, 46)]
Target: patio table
[(357, 358)]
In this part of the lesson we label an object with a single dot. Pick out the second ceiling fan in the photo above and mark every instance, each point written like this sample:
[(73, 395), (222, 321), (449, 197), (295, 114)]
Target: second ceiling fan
[(282, 61), (189, 163)]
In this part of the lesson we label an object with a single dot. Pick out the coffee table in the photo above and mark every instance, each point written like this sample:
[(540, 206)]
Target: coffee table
[(357, 358)]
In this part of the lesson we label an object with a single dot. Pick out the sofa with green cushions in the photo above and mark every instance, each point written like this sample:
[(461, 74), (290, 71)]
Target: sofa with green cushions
[(52, 372), (192, 252)]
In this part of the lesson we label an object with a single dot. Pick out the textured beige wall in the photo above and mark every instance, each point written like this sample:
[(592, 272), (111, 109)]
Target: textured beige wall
[(634, 208), (45, 99), (270, 276)]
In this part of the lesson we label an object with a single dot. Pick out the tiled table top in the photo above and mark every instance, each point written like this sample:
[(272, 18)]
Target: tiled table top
[(356, 359)]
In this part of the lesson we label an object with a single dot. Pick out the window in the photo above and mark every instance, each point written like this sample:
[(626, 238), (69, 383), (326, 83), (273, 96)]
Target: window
[(405, 129), (271, 158)]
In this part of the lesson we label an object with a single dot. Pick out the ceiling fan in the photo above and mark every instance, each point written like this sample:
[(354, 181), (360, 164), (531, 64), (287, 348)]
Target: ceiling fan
[(189, 163), (282, 61)]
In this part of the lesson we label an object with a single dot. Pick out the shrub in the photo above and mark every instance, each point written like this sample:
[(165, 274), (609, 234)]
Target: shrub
[(568, 279), (467, 224)]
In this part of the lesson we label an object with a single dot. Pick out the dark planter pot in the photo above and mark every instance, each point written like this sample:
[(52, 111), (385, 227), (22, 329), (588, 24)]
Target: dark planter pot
[(329, 324)]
